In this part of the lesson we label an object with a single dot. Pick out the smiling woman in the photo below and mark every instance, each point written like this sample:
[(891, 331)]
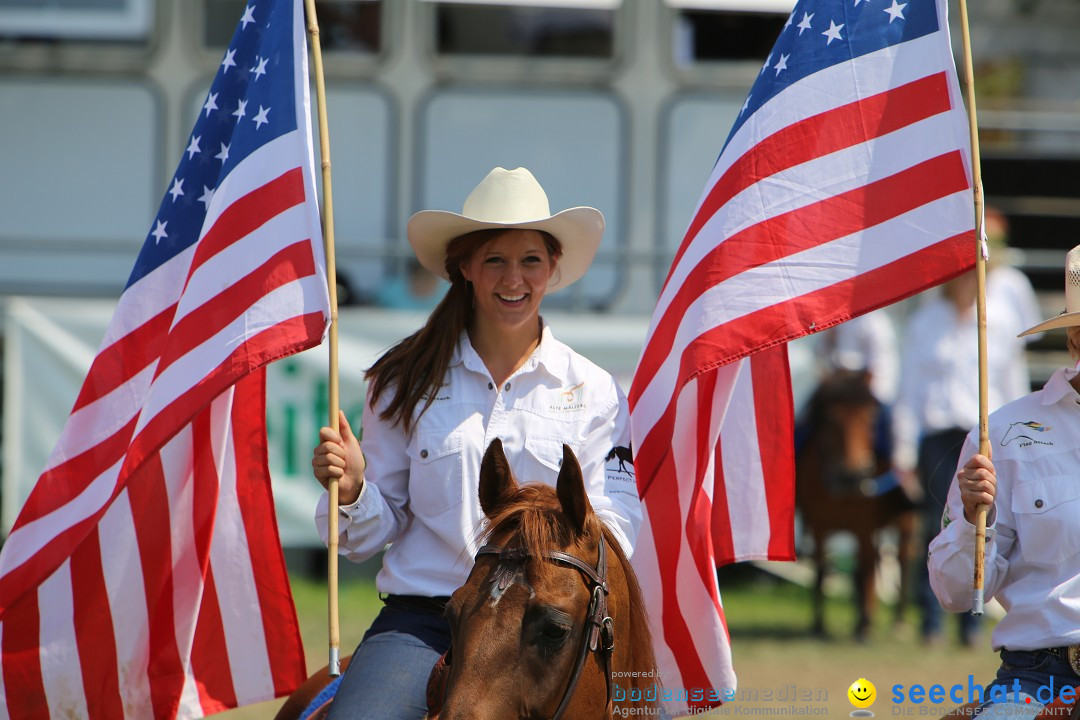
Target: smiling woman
[(484, 367), (509, 273)]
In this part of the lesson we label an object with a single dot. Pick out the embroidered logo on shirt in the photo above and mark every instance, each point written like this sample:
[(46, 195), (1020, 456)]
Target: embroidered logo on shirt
[(1026, 433), (444, 396), (570, 398)]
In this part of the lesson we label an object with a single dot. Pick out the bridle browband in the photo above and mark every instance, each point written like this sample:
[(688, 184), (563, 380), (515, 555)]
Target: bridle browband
[(599, 635)]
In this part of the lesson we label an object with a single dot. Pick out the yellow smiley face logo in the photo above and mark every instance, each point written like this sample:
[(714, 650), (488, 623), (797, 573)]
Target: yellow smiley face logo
[(862, 693)]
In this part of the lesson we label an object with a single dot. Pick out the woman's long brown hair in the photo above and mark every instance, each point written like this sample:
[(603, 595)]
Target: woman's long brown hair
[(413, 370)]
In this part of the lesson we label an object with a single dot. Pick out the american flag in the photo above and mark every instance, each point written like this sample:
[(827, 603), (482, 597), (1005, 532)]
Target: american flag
[(843, 186), (144, 576)]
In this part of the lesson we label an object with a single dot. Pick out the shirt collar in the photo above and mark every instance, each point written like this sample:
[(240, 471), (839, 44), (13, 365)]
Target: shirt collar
[(466, 355), (550, 354), (1058, 386)]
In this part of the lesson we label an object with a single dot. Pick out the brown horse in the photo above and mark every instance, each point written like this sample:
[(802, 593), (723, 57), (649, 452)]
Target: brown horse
[(550, 622), (835, 490)]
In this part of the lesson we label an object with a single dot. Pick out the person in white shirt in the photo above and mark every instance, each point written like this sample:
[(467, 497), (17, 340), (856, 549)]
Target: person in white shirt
[(1032, 554), (484, 366), (1008, 288), (938, 402)]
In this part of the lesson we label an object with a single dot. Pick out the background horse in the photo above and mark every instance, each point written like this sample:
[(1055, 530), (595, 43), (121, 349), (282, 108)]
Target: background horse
[(534, 632), (837, 490)]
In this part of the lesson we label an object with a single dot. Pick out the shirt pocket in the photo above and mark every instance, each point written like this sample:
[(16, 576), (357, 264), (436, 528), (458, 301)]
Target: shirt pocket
[(542, 460), (435, 472), (1046, 512)]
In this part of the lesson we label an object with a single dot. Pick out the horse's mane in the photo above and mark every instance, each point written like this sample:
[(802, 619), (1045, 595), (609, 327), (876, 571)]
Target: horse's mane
[(532, 519)]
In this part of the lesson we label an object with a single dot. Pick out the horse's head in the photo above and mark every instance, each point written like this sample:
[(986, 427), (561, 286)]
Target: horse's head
[(843, 414), (531, 615)]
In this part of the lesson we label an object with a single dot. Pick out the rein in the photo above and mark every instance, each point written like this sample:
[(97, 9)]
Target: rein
[(599, 635)]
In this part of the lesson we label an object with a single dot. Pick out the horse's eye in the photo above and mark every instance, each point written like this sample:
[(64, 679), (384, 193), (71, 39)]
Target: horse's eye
[(547, 627), (555, 633)]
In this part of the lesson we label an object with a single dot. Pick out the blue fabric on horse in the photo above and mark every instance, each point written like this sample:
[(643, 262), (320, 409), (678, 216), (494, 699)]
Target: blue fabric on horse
[(320, 699)]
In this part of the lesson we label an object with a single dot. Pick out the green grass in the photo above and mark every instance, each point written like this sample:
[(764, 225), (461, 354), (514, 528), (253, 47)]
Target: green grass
[(358, 605), (774, 653)]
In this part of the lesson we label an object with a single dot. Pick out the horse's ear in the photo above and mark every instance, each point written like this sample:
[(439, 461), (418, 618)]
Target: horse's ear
[(570, 487), (496, 479)]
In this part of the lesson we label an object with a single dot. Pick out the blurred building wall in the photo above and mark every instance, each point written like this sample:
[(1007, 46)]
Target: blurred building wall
[(621, 105)]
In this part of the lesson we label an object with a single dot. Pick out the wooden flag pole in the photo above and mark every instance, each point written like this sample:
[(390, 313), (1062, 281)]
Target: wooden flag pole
[(331, 279), (980, 302)]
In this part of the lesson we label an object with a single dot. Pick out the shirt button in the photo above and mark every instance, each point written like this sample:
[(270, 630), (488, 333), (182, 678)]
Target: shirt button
[(507, 387), (1038, 503), (423, 453), (491, 386)]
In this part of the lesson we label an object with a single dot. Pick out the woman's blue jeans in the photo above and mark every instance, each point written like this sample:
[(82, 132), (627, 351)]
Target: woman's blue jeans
[(1039, 674), (387, 676)]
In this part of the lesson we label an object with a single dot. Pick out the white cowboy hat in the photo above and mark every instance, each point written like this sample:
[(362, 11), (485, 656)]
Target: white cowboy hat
[(510, 199), (1071, 314)]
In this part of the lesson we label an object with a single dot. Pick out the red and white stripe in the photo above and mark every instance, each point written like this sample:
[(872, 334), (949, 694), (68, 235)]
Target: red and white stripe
[(161, 611), (716, 435), (752, 513), (144, 577), (847, 191)]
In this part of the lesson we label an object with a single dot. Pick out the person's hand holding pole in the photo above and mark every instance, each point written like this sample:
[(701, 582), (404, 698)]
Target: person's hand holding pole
[(978, 486), (339, 457)]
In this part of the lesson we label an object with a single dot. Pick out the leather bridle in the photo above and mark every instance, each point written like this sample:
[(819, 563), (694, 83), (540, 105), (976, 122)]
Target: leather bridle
[(599, 635)]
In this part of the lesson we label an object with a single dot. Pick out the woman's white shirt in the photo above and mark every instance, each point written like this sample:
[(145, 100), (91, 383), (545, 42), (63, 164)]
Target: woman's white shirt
[(420, 491), (1032, 560)]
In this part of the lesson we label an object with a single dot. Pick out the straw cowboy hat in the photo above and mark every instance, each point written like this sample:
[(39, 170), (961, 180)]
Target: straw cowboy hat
[(1071, 314), (510, 199)]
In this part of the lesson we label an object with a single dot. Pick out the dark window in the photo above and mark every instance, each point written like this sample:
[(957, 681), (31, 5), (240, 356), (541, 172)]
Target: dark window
[(711, 35), (1039, 195), (467, 29), (344, 25)]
